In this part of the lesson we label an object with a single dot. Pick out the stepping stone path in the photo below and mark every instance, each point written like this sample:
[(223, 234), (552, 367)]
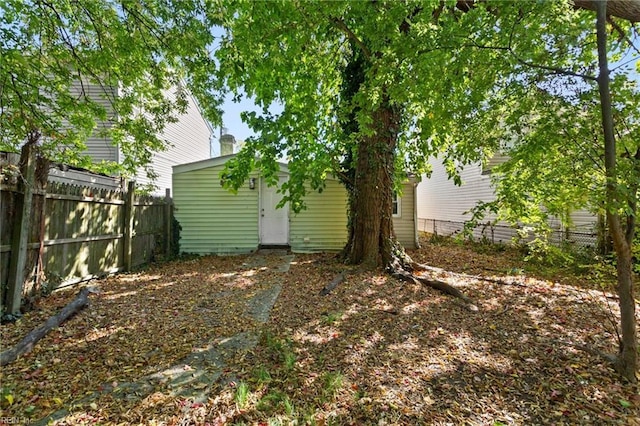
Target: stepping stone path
[(194, 376)]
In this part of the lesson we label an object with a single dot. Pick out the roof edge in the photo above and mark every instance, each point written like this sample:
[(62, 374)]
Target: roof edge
[(213, 162)]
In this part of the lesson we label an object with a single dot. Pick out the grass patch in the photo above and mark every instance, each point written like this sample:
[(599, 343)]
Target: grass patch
[(281, 350), (289, 360), (273, 401), (332, 318), (262, 375), (331, 384), (241, 396)]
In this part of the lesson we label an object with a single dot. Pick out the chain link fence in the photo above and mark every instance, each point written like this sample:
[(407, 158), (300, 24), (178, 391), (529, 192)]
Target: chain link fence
[(582, 238)]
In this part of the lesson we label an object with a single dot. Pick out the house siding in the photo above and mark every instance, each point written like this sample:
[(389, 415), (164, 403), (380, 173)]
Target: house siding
[(404, 225), (189, 141), (99, 148), (439, 198), (213, 220), (218, 222), (323, 225), (442, 204), (583, 221)]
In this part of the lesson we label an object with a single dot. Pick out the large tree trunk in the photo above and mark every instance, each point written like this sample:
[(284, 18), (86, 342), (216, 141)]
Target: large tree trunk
[(371, 237), (368, 175), (371, 233), (627, 361)]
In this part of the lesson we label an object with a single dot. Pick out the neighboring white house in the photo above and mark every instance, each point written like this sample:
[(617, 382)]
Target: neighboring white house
[(442, 205), (189, 139)]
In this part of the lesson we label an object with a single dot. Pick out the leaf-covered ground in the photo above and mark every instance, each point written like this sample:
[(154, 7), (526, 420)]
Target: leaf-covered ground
[(374, 351)]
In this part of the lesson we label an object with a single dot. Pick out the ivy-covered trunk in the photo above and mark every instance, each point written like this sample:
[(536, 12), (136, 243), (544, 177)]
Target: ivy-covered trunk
[(370, 221)]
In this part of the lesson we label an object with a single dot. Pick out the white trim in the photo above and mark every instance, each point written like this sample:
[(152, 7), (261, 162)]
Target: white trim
[(213, 162), (202, 164)]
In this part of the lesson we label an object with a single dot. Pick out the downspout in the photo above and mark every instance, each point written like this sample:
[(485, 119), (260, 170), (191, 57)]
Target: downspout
[(415, 213)]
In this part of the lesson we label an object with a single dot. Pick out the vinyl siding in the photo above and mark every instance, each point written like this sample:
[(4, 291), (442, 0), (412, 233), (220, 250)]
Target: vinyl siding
[(583, 221), (494, 161), (100, 148), (188, 141), (404, 225), (216, 221), (323, 225), (441, 200), (213, 220)]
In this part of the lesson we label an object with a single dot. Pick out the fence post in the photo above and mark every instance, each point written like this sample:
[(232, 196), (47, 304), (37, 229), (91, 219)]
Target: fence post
[(19, 239), (167, 222), (128, 224)]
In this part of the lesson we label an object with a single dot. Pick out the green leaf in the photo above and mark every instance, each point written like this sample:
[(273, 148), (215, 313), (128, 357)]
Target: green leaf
[(9, 398)]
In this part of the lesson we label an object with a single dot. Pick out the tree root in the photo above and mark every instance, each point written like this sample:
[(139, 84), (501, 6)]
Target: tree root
[(612, 359), (432, 269), (333, 284), (403, 267), (28, 342)]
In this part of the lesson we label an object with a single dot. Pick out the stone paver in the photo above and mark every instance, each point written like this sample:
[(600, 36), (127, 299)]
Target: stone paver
[(195, 375)]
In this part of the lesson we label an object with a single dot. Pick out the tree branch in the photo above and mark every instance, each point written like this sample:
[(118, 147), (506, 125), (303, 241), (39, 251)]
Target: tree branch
[(628, 10), (339, 23), (29, 341), (622, 34), (552, 70)]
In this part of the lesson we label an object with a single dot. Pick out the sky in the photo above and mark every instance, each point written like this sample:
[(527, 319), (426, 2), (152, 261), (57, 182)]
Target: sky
[(232, 110), (233, 123), (231, 117)]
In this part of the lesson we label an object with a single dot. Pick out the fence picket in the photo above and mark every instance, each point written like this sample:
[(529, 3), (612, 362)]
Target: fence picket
[(84, 235)]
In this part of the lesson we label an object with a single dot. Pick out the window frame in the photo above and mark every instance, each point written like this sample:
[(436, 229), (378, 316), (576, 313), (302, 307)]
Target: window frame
[(396, 201)]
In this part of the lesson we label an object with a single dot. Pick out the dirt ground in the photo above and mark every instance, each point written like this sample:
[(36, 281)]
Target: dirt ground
[(373, 351)]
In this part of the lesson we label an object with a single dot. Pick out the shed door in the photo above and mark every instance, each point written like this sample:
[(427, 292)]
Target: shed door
[(274, 223)]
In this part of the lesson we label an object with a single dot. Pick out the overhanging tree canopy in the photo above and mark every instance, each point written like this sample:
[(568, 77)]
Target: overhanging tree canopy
[(415, 88), (425, 79), (51, 50), (432, 80)]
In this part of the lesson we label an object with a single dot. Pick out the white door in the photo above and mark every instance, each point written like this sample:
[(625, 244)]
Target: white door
[(274, 223)]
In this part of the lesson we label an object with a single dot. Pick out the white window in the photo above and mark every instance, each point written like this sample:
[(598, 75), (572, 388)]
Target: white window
[(395, 205)]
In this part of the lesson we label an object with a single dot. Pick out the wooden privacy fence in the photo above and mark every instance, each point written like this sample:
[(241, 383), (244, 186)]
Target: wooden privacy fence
[(74, 233)]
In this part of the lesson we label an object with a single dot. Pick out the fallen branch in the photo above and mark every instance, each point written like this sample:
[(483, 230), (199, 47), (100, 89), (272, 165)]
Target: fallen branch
[(28, 342), (588, 349), (333, 284), (402, 274), (432, 269), (403, 267)]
